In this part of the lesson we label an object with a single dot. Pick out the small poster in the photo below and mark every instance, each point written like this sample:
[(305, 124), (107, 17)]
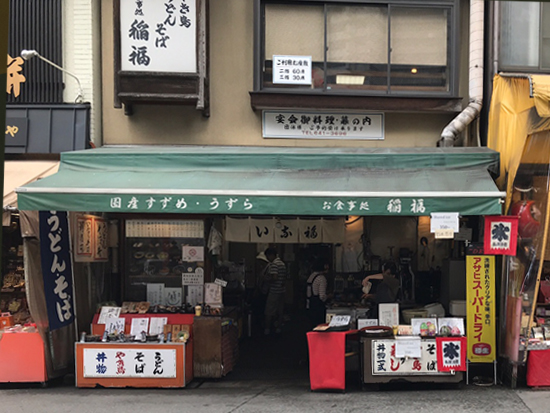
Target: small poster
[(101, 247), (451, 353), (453, 326), (212, 294), (501, 235), (115, 325), (156, 326), (192, 254), (155, 294), (195, 294), (108, 312), (83, 237), (193, 278), (173, 296), (388, 314), (424, 327), (139, 325)]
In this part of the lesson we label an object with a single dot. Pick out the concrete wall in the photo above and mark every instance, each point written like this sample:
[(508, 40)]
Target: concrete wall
[(82, 57), (232, 120)]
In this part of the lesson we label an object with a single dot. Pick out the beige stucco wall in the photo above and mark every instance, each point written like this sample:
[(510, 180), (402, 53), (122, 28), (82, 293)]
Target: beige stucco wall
[(232, 121)]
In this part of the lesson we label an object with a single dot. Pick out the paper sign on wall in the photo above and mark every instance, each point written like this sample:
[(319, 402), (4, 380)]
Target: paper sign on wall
[(155, 294), (139, 325), (212, 294), (195, 294), (173, 296), (192, 254), (388, 314), (108, 312), (115, 325), (156, 326)]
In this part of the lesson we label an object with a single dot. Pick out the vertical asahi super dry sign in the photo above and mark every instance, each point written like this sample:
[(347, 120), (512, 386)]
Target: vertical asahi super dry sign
[(158, 36), (480, 305)]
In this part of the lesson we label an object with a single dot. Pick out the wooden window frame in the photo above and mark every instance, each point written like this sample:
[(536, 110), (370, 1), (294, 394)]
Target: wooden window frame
[(273, 98)]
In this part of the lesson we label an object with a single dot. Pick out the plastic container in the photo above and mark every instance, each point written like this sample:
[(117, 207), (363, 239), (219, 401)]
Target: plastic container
[(435, 310), (457, 308), (413, 313)]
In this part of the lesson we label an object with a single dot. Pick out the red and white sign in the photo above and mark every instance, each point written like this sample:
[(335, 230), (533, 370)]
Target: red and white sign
[(451, 353), (501, 235)]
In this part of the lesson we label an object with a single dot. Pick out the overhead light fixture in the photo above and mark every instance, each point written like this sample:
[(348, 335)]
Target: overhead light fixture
[(29, 54), (350, 80), (414, 70)]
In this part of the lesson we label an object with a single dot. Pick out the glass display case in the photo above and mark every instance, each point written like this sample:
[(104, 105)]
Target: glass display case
[(160, 252)]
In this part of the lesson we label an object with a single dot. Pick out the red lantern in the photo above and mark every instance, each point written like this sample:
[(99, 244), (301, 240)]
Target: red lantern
[(528, 215)]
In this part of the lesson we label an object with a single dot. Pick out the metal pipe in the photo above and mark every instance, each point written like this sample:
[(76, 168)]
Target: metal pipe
[(450, 133)]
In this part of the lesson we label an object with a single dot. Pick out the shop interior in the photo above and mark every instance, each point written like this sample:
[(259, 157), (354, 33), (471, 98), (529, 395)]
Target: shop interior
[(429, 270)]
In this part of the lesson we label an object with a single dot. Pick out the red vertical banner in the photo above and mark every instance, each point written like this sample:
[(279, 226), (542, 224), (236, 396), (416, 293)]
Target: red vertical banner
[(501, 235)]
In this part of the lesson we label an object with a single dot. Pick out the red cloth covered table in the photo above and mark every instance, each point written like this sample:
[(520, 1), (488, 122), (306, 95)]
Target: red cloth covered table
[(327, 359), (538, 368)]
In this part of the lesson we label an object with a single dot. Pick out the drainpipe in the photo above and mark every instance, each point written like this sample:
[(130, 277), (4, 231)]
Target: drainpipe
[(457, 125)]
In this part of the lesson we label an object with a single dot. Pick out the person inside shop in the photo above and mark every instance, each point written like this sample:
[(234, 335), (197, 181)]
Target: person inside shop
[(261, 290), (316, 294), (386, 291), (275, 273)]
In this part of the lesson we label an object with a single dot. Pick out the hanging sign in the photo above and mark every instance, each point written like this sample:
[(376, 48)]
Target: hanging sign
[(480, 308), (158, 36), (323, 125), (262, 230), (451, 353), (286, 231), (57, 272), (311, 231), (444, 221), (129, 362), (501, 235)]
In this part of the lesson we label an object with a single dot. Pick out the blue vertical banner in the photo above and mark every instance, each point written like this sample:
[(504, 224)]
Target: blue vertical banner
[(55, 256)]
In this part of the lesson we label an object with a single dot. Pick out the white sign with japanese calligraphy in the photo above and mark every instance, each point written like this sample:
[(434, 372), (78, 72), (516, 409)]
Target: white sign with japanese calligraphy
[(323, 125), (129, 362), (139, 326), (158, 36), (115, 325), (292, 70), (101, 251), (195, 294), (237, 229), (386, 362), (212, 294), (155, 293), (388, 314)]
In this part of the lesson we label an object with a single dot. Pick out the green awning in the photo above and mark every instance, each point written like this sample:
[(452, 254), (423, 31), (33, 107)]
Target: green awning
[(270, 181)]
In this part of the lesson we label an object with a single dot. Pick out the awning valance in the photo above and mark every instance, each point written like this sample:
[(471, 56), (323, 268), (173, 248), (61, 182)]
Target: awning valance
[(271, 181)]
